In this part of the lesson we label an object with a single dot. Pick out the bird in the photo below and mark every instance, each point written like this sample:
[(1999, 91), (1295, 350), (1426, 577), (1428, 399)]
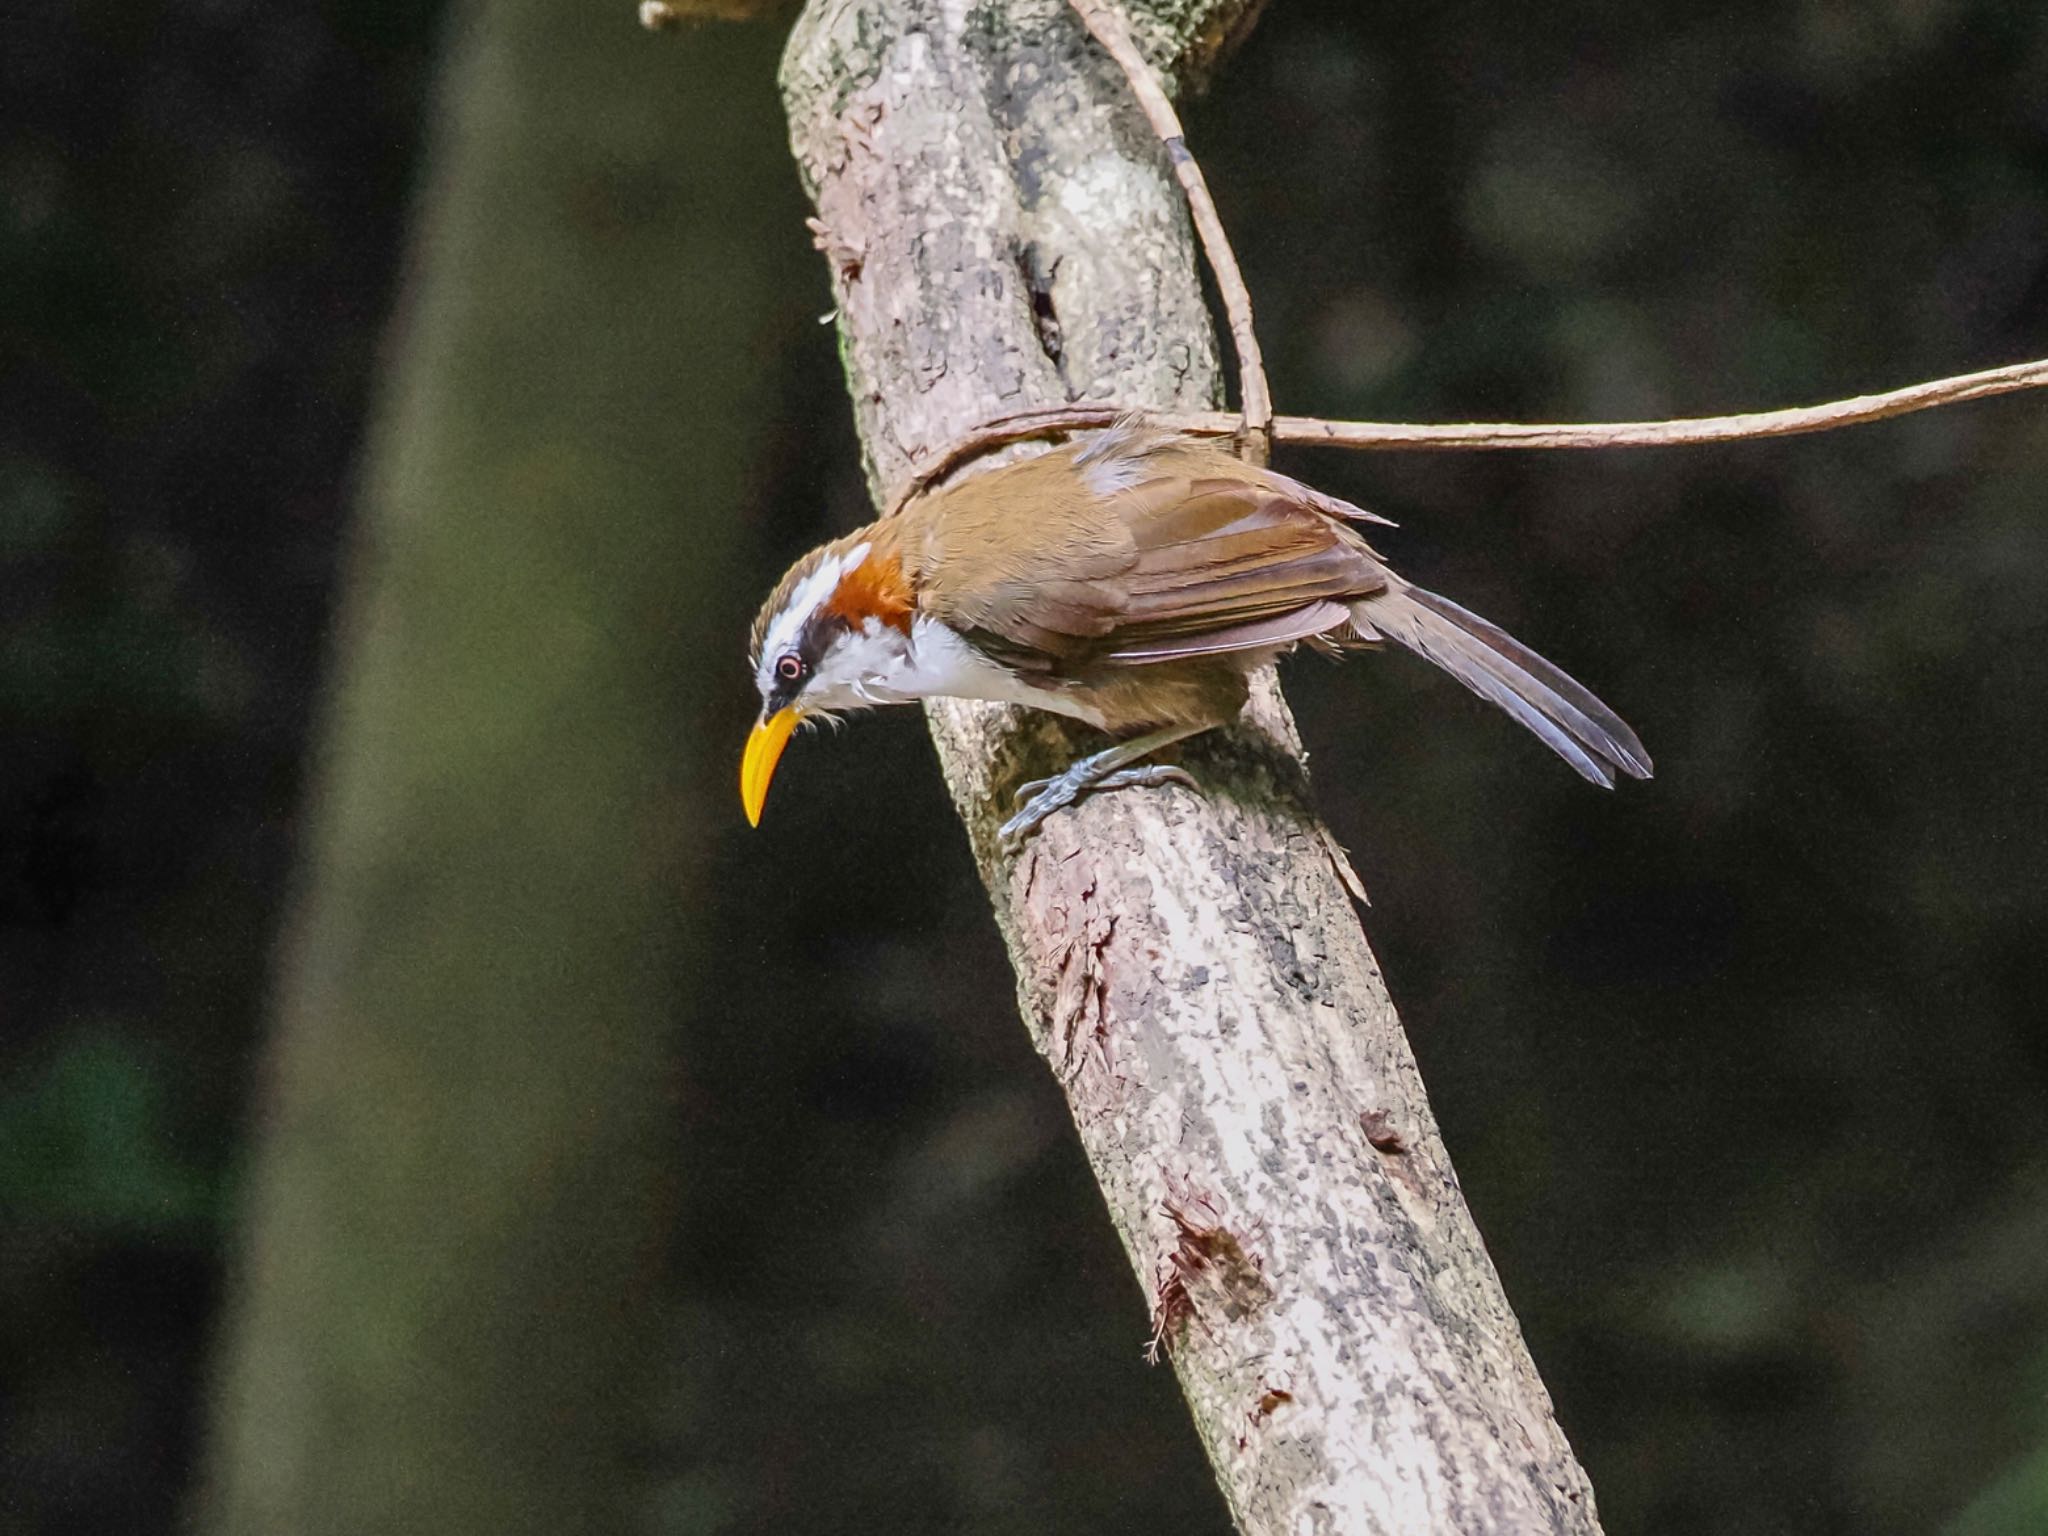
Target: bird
[(1131, 579)]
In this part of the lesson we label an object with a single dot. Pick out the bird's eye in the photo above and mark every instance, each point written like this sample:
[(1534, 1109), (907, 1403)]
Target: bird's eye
[(790, 667)]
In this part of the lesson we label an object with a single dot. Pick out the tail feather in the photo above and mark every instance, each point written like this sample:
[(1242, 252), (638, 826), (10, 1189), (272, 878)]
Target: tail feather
[(1561, 712)]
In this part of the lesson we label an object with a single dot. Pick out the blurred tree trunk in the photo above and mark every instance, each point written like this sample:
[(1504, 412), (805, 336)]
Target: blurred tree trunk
[(461, 1144), (1004, 234)]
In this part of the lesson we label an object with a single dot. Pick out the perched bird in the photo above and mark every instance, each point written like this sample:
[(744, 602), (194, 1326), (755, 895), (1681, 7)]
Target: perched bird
[(1131, 580)]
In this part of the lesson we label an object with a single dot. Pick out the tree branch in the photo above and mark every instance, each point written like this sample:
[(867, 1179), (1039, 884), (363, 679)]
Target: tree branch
[(1685, 431), (1004, 236), (665, 15)]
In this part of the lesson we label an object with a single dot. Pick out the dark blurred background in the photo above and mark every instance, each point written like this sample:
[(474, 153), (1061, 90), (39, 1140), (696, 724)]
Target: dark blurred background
[(1744, 1070)]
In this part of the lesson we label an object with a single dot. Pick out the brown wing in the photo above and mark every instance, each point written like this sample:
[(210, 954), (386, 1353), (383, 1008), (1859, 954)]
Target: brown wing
[(1159, 548), (1219, 555)]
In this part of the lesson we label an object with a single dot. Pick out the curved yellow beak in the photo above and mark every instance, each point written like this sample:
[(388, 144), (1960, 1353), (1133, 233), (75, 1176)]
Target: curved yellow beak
[(764, 750)]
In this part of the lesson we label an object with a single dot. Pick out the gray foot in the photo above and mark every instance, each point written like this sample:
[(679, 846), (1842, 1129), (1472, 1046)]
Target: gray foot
[(1041, 797)]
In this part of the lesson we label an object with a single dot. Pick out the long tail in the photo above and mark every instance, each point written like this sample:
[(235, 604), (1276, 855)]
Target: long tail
[(1500, 669)]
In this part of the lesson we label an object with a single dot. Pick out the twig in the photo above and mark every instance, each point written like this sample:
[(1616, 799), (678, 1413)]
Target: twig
[(1590, 434), (1255, 427), (1675, 433)]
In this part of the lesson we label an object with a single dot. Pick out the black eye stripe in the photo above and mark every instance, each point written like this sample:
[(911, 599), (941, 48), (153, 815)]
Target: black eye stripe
[(794, 667)]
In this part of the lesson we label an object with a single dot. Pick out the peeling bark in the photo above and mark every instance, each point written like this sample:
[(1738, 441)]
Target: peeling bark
[(1190, 965)]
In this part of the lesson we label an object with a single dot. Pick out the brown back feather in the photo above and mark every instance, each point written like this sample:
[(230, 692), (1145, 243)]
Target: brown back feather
[(1087, 557)]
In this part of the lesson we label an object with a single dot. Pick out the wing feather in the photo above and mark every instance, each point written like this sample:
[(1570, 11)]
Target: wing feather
[(1154, 548), (1258, 634)]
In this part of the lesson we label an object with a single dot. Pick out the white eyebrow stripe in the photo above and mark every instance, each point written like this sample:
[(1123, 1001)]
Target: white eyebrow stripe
[(811, 593)]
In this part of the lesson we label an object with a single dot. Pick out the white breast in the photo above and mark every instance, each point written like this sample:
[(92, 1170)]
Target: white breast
[(940, 664)]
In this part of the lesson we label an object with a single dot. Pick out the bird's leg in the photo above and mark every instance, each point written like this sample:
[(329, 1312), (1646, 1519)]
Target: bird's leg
[(1117, 767)]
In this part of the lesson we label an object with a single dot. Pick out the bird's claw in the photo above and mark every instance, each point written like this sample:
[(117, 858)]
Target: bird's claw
[(1038, 799), (1147, 776), (1035, 802), (1030, 791)]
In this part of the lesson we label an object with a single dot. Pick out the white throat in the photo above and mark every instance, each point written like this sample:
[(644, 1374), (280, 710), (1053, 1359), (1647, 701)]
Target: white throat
[(942, 665), (877, 664)]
